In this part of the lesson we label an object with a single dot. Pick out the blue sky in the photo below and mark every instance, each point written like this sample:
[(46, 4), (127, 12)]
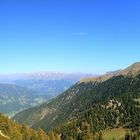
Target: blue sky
[(90, 36)]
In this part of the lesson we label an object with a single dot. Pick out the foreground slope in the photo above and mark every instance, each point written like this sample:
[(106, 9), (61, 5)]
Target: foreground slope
[(10, 130), (104, 102)]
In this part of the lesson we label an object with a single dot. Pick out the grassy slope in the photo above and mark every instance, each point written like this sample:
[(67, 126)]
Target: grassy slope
[(2, 138), (116, 133)]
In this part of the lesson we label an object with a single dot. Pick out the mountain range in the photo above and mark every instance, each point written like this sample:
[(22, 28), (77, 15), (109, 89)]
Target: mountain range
[(98, 103), (22, 91), (46, 84)]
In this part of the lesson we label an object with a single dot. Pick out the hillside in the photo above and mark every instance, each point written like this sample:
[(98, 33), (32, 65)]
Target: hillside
[(96, 104), (10, 130), (14, 98)]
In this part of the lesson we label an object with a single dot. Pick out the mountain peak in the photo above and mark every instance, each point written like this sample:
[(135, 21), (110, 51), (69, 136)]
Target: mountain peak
[(132, 70), (135, 65)]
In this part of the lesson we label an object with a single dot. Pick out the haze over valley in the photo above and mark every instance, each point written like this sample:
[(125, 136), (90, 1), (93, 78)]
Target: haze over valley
[(22, 91)]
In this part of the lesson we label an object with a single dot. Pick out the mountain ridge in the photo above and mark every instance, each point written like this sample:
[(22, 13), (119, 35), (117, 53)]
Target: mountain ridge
[(116, 98), (132, 70)]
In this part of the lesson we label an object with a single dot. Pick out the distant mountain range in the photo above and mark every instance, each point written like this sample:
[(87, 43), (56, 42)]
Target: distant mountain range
[(22, 91), (42, 76), (103, 102), (46, 84)]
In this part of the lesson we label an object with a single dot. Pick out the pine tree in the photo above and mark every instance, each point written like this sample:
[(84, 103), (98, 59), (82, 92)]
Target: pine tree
[(86, 134)]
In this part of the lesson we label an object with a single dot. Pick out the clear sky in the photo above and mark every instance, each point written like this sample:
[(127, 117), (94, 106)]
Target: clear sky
[(91, 36)]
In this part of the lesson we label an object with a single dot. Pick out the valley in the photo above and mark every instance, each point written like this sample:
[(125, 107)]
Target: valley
[(22, 91)]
